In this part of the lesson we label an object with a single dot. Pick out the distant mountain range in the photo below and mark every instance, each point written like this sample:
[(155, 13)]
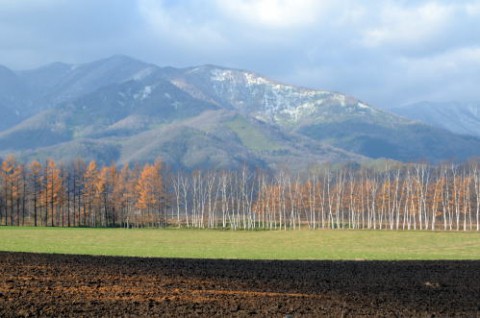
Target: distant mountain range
[(123, 110), (459, 118)]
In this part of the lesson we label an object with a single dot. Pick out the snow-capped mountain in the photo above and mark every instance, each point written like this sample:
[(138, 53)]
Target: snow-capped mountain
[(126, 110), (264, 99)]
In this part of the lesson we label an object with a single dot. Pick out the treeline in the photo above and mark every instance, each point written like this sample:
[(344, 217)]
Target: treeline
[(394, 197)]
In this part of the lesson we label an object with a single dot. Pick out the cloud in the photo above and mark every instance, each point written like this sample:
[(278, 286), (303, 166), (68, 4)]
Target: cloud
[(177, 25), (398, 52), (276, 14), (400, 26), (35, 32), (384, 52), (425, 28), (449, 76)]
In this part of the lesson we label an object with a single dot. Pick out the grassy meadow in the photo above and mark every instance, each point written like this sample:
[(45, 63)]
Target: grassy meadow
[(284, 245)]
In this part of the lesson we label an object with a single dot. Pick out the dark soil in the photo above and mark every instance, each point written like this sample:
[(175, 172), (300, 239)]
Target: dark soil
[(87, 286)]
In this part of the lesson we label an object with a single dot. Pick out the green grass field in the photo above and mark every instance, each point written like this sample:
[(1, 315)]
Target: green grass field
[(184, 243)]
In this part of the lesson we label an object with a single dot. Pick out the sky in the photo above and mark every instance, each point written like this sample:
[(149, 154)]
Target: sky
[(386, 53)]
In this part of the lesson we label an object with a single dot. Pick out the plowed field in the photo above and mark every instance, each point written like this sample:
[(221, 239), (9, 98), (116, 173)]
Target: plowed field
[(61, 285)]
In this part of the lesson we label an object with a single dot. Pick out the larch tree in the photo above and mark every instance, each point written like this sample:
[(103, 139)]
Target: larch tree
[(149, 189), (18, 191), (101, 196), (53, 192), (8, 181), (89, 193)]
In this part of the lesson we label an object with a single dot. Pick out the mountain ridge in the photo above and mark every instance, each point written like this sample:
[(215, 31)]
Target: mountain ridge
[(458, 117), (121, 109)]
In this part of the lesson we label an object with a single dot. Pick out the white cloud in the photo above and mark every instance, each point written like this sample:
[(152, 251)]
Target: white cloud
[(274, 13), (473, 9), (447, 76), (408, 26), (455, 63), (178, 25)]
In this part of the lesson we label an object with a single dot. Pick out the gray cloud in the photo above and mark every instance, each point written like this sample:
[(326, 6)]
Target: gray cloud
[(386, 53)]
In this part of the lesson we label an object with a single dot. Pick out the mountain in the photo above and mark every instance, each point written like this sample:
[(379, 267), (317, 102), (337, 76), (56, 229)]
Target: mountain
[(58, 82), (147, 117), (12, 95), (121, 109), (459, 118), (25, 93), (332, 118)]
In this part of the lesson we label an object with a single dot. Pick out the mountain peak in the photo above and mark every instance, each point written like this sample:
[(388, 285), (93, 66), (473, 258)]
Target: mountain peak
[(121, 58), (265, 99), (5, 71), (207, 115), (115, 61)]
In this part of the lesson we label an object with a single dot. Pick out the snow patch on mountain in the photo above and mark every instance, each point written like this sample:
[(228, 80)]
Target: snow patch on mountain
[(144, 73), (299, 112), (221, 75), (340, 99), (267, 100), (271, 101), (143, 94), (252, 79)]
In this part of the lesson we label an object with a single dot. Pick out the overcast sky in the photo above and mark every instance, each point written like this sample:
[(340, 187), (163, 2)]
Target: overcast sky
[(386, 53)]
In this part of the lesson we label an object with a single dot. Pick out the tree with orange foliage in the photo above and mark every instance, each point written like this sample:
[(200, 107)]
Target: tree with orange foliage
[(149, 190), (105, 189), (8, 179), (35, 182), (89, 191), (112, 195), (53, 192), (18, 191), (122, 196)]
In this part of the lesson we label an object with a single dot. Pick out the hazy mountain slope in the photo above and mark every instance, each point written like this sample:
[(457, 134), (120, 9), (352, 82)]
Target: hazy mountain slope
[(115, 110), (141, 119), (213, 139), (25, 93), (13, 93), (12, 88), (103, 151), (460, 118), (57, 82), (8, 117), (42, 80), (120, 109)]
